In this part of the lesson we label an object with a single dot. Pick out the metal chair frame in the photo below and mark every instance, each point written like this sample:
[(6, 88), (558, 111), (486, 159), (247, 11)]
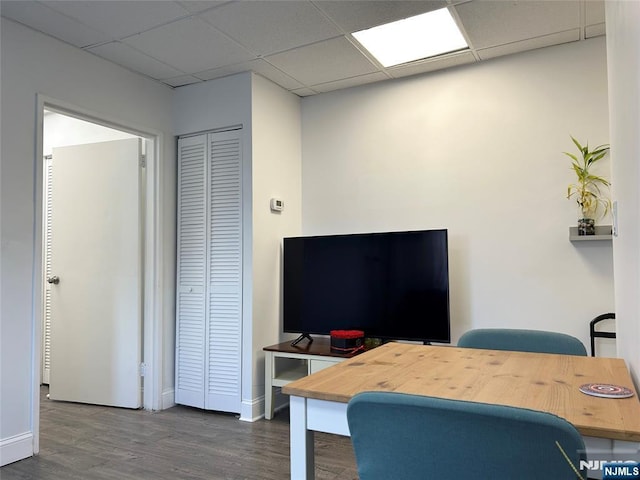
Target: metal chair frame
[(593, 333)]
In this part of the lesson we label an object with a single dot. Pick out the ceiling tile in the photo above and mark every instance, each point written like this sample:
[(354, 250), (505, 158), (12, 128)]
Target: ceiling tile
[(120, 18), (432, 64), (350, 82), (489, 23), (190, 45), (323, 62), (354, 15), (181, 81), (270, 72), (51, 22), (225, 71), (270, 27), (197, 6), (260, 67), (530, 44), (128, 57), (304, 92)]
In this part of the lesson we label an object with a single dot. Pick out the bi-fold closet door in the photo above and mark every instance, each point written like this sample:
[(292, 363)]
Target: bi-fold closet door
[(209, 271)]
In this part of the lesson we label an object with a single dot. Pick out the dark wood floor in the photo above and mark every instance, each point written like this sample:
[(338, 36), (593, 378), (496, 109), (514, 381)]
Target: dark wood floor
[(88, 442)]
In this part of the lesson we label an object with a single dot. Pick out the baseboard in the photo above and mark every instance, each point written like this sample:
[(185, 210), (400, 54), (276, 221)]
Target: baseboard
[(16, 448), (168, 399), (252, 410)]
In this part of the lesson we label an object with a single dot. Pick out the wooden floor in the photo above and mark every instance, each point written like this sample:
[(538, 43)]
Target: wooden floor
[(87, 442)]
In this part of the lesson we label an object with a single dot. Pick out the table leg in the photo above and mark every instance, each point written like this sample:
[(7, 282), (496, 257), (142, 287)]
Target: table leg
[(268, 385), (301, 441)]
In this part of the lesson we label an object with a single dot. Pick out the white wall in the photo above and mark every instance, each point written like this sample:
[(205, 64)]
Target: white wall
[(276, 173), (478, 150), (33, 63), (213, 105), (623, 50)]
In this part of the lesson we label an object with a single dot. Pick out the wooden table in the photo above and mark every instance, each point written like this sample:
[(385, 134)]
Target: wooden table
[(543, 382)]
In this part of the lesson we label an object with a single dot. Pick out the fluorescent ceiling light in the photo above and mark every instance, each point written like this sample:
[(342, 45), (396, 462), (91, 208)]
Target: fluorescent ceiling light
[(427, 35)]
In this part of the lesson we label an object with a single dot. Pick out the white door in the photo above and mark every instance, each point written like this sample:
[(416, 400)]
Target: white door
[(224, 273), (95, 274)]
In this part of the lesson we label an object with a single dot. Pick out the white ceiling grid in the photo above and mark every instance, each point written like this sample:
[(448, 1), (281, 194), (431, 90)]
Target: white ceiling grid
[(303, 45)]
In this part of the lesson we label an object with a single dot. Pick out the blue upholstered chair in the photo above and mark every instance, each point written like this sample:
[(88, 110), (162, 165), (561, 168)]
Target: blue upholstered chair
[(523, 341), (410, 437)]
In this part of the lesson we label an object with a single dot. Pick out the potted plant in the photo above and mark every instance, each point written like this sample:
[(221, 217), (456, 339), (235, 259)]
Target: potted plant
[(587, 190)]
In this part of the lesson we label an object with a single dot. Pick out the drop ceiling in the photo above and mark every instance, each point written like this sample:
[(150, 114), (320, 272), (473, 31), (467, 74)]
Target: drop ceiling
[(305, 46)]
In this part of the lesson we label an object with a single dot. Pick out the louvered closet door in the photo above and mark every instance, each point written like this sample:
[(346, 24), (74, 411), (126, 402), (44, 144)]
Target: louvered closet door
[(224, 272), (191, 276), (46, 324), (209, 297)]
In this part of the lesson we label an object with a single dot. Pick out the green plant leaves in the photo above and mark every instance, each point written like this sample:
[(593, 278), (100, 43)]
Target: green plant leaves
[(587, 191)]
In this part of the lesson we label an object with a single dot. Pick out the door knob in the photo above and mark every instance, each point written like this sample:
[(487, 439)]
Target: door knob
[(55, 279)]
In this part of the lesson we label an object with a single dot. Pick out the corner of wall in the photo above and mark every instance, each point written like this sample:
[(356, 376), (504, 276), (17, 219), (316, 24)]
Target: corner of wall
[(168, 399), (252, 410)]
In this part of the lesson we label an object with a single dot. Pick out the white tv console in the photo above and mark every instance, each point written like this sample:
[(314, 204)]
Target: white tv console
[(284, 363)]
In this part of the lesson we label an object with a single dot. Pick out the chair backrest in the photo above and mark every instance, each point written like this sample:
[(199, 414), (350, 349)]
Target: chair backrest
[(593, 333), (522, 340), (410, 437)]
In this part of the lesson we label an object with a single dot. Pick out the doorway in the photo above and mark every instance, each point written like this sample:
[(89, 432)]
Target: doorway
[(152, 293), (92, 312)]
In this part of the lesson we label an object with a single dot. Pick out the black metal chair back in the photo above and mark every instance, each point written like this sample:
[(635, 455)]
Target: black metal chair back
[(593, 333)]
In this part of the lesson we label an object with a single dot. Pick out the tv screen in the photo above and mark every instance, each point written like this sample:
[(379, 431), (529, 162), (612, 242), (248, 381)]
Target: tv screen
[(392, 285)]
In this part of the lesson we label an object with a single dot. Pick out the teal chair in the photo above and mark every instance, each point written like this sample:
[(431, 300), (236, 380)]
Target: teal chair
[(522, 340), (411, 437)]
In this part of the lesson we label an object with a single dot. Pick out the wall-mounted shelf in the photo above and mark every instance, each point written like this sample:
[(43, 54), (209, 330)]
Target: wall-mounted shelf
[(603, 232)]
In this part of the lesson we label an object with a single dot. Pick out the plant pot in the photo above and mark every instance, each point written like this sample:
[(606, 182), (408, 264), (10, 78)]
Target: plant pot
[(586, 226)]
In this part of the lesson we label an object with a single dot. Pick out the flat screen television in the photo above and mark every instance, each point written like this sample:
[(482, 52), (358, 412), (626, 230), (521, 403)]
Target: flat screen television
[(392, 285)]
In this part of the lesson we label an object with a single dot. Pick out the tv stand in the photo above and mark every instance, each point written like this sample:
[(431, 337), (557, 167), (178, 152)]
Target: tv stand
[(285, 363), (302, 337)]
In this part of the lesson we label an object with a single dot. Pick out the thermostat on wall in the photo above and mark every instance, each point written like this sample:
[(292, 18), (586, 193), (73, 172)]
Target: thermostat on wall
[(277, 205)]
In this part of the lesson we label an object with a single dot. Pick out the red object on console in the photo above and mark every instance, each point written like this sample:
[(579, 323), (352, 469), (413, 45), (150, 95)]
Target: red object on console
[(347, 333), (346, 341)]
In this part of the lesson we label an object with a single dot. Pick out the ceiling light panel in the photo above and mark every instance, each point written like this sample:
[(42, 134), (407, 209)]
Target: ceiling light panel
[(423, 36)]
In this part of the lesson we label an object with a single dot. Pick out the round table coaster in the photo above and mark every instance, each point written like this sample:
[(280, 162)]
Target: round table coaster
[(606, 390)]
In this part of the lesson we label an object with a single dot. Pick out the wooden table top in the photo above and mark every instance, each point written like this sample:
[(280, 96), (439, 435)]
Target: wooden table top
[(544, 382)]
